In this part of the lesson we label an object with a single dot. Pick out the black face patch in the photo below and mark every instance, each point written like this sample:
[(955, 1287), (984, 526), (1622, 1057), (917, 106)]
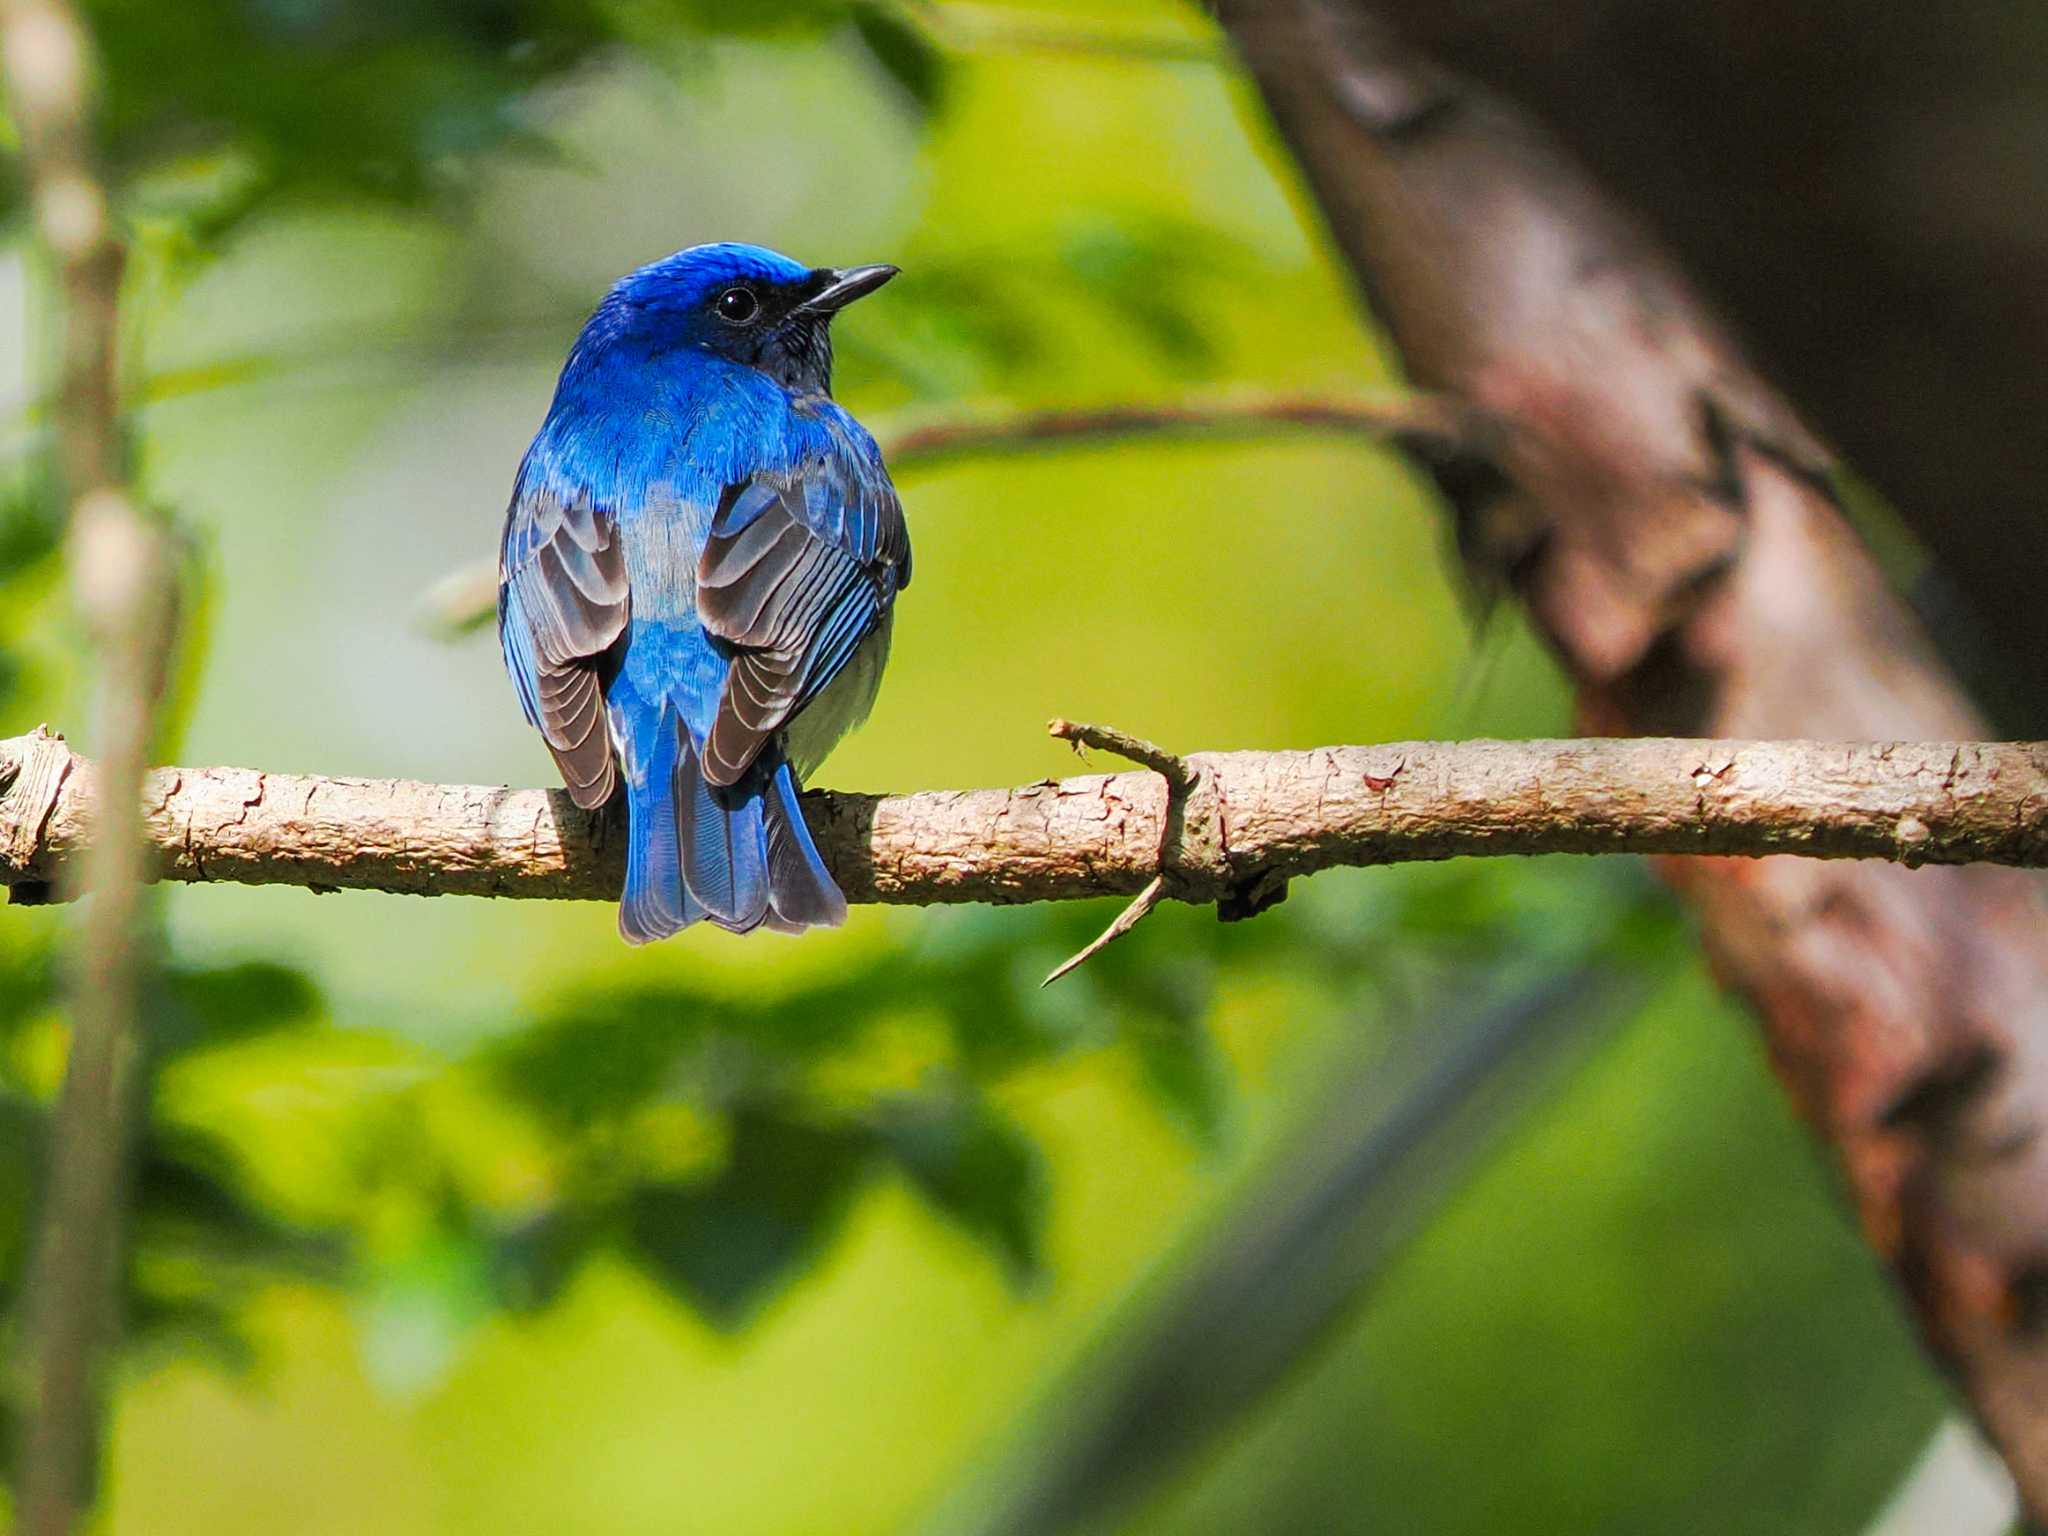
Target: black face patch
[(769, 329), (797, 354)]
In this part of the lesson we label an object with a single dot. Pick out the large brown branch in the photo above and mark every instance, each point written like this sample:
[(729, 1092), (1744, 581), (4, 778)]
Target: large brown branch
[(1248, 819), (1670, 525), (1861, 185)]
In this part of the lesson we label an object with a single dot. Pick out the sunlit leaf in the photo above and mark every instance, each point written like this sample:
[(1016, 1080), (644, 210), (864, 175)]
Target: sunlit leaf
[(599, 1059), (731, 1242), (1181, 1067), (975, 1167), (214, 1006)]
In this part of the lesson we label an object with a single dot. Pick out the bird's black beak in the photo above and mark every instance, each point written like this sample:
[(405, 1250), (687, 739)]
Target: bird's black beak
[(833, 288)]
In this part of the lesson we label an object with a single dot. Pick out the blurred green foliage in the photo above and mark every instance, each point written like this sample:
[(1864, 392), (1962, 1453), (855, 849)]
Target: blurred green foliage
[(498, 1226), (215, 108), (202, 1245)]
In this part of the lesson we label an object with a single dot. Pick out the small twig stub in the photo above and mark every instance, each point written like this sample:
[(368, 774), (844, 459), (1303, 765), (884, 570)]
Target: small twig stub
[(1180, 778), (1140, 907), (1107, 738)]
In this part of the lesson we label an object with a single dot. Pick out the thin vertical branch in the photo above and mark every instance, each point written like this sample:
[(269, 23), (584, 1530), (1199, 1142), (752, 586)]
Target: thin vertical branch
[(120, 571)]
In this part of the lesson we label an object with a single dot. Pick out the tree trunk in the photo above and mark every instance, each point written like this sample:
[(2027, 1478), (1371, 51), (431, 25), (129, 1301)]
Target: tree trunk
[(1862, 186), (1669, 523)]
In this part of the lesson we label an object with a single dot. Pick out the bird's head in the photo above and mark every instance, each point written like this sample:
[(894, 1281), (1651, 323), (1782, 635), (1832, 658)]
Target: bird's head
[(745, 304)]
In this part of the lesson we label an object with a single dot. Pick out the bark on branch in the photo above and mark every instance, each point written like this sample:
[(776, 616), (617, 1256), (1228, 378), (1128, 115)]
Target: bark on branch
[(1250, 819)]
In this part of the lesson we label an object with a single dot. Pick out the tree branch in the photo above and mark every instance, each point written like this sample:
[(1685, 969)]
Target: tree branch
[(1399, 416), (1251, 817), (467, 598)]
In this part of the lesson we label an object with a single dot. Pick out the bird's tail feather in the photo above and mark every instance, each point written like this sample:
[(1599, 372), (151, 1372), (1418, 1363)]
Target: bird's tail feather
[(741, 857), (724, 842), (655, 903), (800, 888)]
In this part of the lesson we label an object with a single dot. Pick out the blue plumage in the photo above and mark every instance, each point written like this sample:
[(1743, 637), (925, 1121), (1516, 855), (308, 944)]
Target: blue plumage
[(696, 580)]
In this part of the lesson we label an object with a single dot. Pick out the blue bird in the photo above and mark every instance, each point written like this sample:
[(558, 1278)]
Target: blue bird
[(697, 576)]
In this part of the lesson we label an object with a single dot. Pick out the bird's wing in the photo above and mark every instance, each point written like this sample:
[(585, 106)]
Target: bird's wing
[(800, 568), (562, 605)]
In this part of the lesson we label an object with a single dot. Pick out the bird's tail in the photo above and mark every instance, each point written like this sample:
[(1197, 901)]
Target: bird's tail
[(740, 857)]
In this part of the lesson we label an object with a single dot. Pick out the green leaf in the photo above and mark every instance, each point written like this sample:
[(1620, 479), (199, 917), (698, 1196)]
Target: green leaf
[(730, 1243), (31, 512), (975, 1167), (904, 51), (190, 1200), (599, 1060), (532, 1264), (408, 97), (207, 1006), (1181, 1067)]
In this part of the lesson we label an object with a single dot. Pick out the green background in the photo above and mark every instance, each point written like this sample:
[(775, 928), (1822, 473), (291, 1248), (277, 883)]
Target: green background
[(454, 1245)]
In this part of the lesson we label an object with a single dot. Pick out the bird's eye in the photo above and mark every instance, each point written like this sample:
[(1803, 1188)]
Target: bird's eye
[(736, 306)]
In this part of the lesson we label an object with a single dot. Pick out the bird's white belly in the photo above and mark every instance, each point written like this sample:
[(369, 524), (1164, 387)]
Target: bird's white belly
[(817, 729)]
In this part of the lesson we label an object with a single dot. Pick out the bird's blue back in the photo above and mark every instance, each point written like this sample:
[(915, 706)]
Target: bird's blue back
[(706, 545)]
